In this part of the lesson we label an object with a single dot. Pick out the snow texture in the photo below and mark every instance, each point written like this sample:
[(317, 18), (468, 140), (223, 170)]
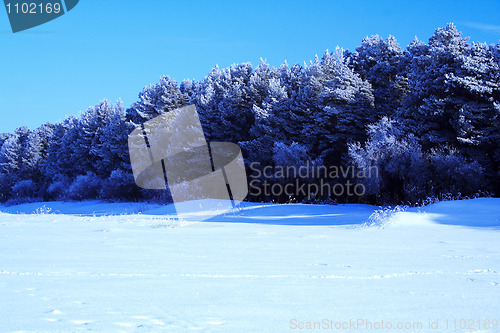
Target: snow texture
[(133, 267)]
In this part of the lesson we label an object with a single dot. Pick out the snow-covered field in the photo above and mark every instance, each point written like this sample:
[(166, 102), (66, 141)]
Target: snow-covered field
[(266, 268)]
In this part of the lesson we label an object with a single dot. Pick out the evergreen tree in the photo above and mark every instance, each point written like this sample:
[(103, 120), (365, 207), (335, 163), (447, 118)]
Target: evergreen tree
[(35, 152), (58, 160), (477, 122), (87, 145), (344, 106), (112, 150), (236, 115), (11, 160), (382, 63), (12, 151), (11, 156), (431, 103), (295, 109), (270, 124), (224, 103), (157, 99), (259, 82)]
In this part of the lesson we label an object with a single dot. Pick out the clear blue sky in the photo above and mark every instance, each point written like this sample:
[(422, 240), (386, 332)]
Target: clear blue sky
[(112, 49)]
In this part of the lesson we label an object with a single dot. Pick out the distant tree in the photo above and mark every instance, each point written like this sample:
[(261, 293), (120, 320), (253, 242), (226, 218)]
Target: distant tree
[(12, 151), (477, 121), (383, 63), (344, 106), (112, 148), (431, 102), (85, 139), (35, 153), (259, 82), (399, 161), (224, 102), (295, 109), (270, 124), (11, 160), (236, 109), (156, 99), (3, 137), (58, 160), (10, 155), (188, 90)]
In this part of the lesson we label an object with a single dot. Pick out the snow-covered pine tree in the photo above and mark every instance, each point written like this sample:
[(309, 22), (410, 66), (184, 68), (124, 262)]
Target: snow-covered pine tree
[(12, 151), (431, 103), (157, 99), (224, 103), (112, 149), (382, 63), (87, 146), (3, 137), (477, 122), (54, 164), (294, 110), (270, 124), (188, 90), (11, 160), (236, 108), (343, 107), (35, 152), (259, 82)]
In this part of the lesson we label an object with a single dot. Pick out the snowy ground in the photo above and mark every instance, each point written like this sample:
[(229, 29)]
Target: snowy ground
[(266, 268)]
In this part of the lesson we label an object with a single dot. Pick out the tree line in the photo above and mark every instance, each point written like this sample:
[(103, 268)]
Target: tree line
[(427, 117)]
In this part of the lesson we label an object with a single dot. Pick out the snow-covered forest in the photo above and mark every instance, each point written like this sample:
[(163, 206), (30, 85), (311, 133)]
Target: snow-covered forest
[(428, 117)]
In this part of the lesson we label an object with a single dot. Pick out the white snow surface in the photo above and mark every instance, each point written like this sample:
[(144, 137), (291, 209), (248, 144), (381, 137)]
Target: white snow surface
[(133, 267)]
